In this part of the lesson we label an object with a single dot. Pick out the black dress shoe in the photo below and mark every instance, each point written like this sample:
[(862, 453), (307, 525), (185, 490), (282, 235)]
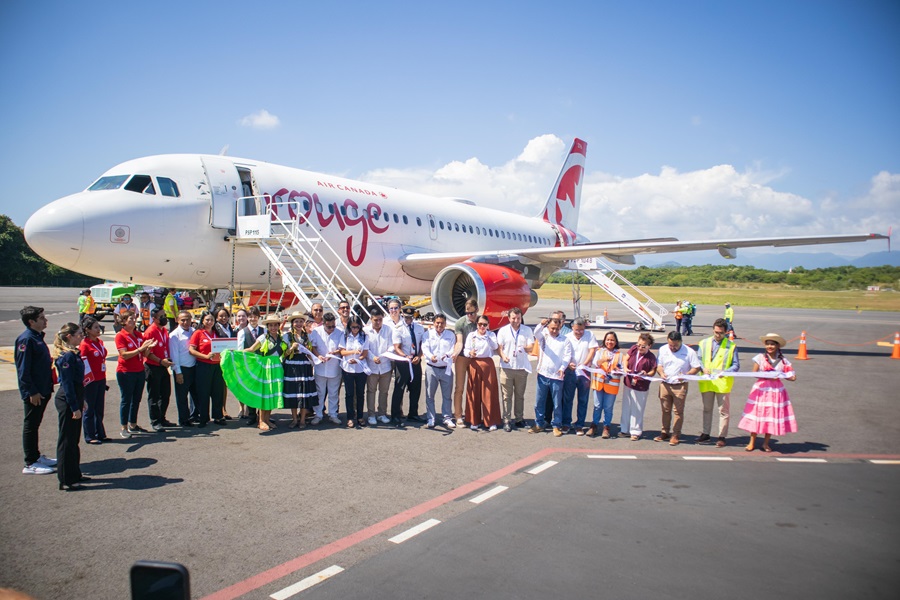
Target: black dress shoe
[(186, 425), (415, 418), (222, 422), (520, 424), (201, 425), (703, 439), (84, 478), (167, 423), (73, 487)]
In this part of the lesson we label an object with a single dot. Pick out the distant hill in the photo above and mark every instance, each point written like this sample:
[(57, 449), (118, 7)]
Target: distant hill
[(778, 261)]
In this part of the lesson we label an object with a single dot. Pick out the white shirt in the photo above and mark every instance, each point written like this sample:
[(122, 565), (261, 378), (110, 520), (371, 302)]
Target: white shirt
[(581, 348), (179, 340), (556, 354), (380, 341), (483, 345), (677, 363), (324, 344), (353, 342), (403, 337), (513, 344), (248, 335), (439, 347)]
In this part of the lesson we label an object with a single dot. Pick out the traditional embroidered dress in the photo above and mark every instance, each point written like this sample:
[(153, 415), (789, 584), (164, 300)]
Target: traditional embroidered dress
[(299, 380), (768, 408)]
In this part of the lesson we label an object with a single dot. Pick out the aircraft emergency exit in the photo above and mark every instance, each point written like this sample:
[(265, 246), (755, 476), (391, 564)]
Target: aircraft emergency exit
[(168, 220)]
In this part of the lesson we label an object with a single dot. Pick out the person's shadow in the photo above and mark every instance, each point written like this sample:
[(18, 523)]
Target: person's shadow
[(99, 471)]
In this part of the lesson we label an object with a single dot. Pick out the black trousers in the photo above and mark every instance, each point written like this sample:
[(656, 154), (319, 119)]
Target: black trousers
[(402, 382), (210, 390), (185, 404), (33, 417), (355, 389), (68, 454), (159, 389)]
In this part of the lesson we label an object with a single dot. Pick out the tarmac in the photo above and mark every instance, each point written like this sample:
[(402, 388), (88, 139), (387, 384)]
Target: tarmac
[(387, 513)]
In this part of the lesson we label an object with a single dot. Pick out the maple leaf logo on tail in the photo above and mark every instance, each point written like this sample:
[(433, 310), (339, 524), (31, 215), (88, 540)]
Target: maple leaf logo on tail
[(565, 199)]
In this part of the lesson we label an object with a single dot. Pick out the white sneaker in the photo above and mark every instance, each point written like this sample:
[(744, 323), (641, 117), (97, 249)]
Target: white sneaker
[(334, 420), (493, 428), (460, 422), (316, 420), (384, 419), (36, 468), (373, 421), (430, 424), (475, 428), (46, 461), (449, 424)]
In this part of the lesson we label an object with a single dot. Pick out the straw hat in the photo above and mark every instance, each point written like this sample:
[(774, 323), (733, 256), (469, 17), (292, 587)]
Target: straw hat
[(774, 337), (271, 319), (297, 315)]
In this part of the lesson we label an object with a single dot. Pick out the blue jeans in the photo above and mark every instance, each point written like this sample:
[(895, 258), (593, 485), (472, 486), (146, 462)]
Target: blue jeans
[(554, 389), (603, 405), (572, 384), (131, 386)]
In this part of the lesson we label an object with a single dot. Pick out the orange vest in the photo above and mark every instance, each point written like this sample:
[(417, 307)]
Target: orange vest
[(145, 316), (607, 361)]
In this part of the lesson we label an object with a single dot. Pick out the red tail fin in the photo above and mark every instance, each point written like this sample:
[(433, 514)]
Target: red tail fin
[(565, 200)]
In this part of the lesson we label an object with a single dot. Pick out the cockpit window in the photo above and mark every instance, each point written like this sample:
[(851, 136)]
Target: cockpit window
[(167, 187), (110, 182), (142, 184)]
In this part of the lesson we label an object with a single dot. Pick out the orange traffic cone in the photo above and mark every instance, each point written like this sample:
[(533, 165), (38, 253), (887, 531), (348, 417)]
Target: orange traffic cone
[(605, 316), (731, 335), (801, 352), (896, 353)]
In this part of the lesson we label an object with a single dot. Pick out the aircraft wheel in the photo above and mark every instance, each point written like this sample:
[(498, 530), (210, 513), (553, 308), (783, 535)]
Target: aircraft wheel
[(638, 326)]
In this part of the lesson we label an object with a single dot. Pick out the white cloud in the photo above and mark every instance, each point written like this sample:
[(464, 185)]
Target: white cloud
[(716, 202), (261, 119)]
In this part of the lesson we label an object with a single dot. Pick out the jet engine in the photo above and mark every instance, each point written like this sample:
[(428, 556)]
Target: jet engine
[(496, 289)]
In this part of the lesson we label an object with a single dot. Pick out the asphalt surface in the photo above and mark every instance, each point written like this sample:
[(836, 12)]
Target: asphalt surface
[(250, 514)]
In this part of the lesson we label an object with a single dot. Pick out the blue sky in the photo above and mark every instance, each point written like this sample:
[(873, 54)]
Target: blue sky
[(703, 119)]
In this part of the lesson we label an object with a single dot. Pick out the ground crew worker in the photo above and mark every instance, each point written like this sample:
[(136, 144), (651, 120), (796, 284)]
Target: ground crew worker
[(170, 307), (86, 305), (729, 317), (718, 354)]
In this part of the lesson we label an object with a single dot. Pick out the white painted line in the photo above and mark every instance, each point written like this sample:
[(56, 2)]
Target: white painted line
[(802, 460), (414, 531), (542, 467), (614, 456), (706, 457), (307, 583), (884, 462), (488, 494)]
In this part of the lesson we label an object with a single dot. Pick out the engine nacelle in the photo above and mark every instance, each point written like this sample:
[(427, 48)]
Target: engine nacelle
[(496, 289)]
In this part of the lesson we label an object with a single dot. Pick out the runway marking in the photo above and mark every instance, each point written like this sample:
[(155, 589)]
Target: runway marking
[(614, 456), (305, 584), (414, 531), (695, 457), (801, 460), (488, 494), (543, 467), (305, 560), (885, 462)]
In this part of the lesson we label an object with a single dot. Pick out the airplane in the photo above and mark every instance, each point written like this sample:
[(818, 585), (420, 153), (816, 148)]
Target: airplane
[(168, 220)]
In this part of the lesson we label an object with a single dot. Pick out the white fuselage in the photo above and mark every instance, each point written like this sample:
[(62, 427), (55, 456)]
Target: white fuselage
[(184, 241)]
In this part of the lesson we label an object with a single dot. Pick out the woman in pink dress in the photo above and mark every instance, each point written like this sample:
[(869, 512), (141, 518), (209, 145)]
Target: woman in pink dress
[(768, 409)]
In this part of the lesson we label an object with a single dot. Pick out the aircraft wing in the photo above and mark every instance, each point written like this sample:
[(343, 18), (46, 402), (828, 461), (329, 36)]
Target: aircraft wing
[(426, 265)]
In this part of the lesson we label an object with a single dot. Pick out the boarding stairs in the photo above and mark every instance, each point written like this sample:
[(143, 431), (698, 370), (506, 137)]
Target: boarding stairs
[(627, 294), (307, 264)]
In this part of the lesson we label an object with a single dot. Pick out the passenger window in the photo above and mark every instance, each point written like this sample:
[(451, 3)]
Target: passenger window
[(418, 221), (343, 211), (405, 220), (396, 220), (331, 209), (353, 212), (113, 182), (470, 229), (167, 187), (387, 218), (478, 230), (142, 184), (305, 205), (431, 222), (491, 232), (319, 208)]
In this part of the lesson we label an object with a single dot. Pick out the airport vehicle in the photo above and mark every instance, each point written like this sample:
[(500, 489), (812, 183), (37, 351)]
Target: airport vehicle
[(172, 220), (108, 295)]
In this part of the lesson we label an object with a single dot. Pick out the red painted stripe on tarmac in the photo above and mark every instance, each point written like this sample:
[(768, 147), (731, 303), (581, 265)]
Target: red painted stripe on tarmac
[(303, 561), (266, 577)]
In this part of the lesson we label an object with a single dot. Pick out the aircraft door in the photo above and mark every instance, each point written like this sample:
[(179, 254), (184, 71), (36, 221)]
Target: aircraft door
[(225, 188), (432, 226)]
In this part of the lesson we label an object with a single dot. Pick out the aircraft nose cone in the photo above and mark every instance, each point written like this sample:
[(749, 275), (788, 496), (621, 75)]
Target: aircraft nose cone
[(56, 232)]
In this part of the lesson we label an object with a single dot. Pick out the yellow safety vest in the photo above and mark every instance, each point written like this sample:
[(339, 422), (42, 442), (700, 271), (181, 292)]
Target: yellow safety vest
[(170, 306), (608, 362), (721, 361)]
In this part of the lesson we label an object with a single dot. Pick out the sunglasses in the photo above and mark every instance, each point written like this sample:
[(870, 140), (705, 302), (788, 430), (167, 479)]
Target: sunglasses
[(470, 312)]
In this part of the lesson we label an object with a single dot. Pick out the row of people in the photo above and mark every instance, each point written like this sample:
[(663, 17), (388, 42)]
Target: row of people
[(320, 352)]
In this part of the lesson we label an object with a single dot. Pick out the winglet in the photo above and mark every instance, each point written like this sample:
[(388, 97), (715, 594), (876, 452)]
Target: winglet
[(565, 200)]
